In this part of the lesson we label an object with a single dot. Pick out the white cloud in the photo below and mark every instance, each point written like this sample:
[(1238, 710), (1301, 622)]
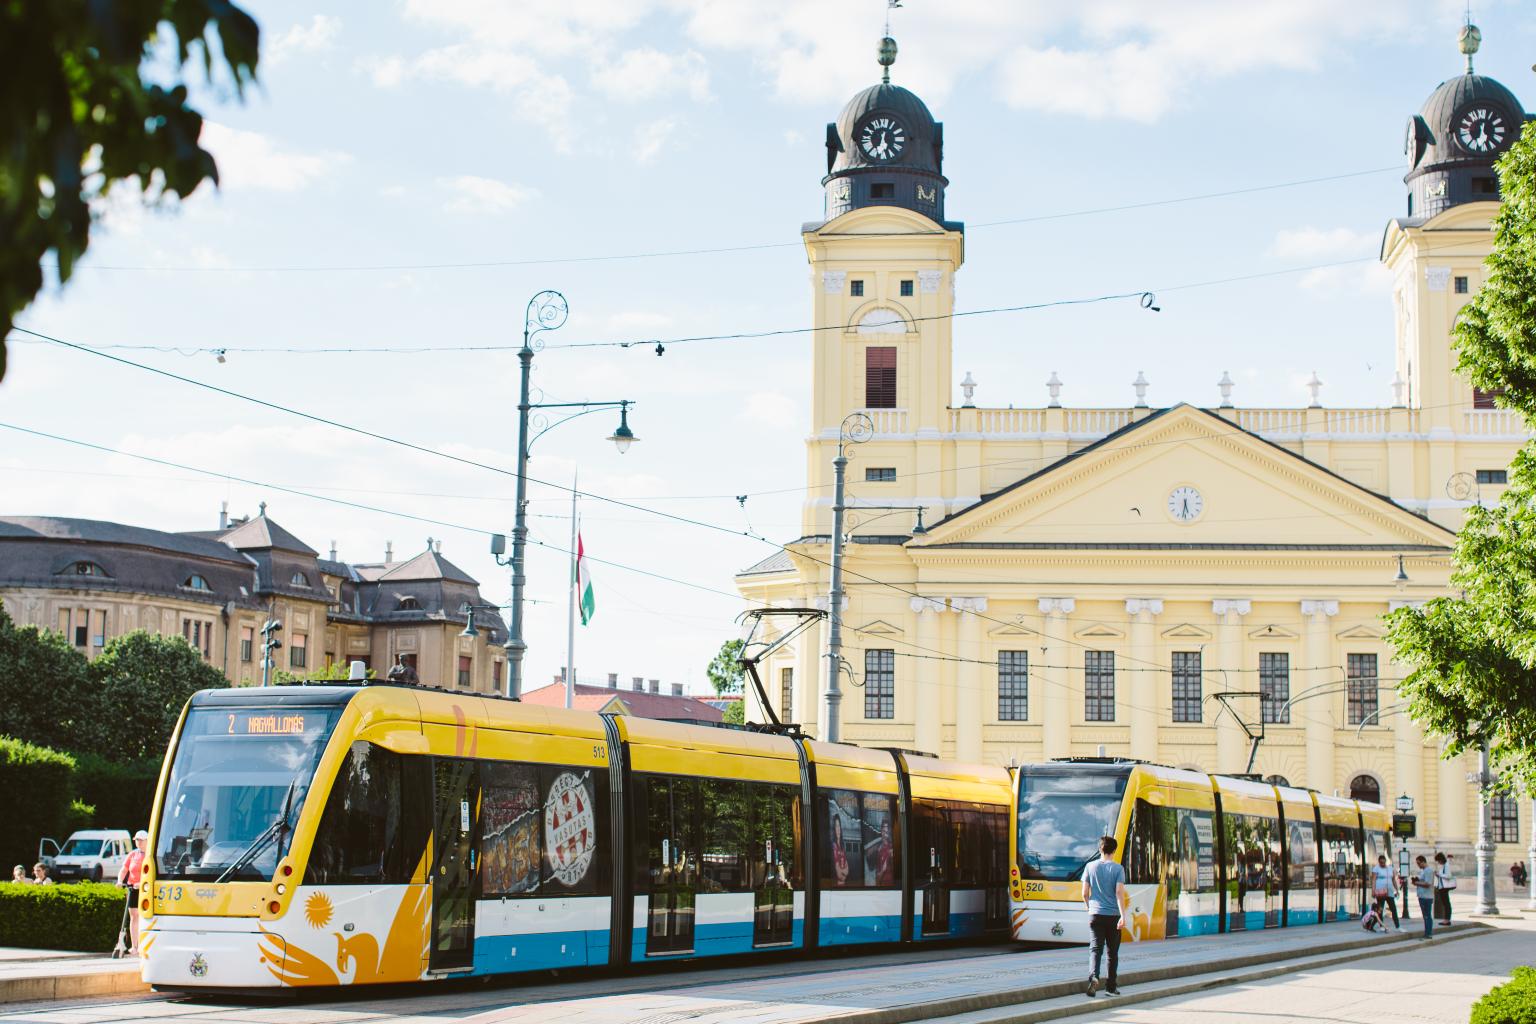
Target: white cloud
[(645, 73), (650, 138), (1353, 250), (470, 194), (252, 160), (316, 37)]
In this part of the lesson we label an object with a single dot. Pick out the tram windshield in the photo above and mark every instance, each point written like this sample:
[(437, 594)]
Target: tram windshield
[(1062, 814), (237, 785)]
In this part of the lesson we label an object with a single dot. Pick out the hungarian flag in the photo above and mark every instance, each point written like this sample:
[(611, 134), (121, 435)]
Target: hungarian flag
[(584, 599)]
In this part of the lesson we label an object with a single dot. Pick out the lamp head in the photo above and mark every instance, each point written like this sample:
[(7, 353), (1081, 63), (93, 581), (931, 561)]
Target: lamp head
[(498, 543), (623, 437)]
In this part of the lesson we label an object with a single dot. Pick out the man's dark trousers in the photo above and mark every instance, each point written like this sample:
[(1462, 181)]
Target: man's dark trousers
[(1106, 932)]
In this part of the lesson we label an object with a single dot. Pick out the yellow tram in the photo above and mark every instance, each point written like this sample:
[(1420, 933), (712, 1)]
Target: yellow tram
[(1203, 854), (334, 835)]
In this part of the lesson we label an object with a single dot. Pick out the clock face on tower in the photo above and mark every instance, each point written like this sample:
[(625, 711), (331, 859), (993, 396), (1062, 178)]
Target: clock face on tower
[(1185, 504), (882, 138), (1482, 128)]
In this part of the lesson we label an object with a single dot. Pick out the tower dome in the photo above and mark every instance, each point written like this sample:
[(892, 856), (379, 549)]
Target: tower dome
[(1465, 125), (885, 149)]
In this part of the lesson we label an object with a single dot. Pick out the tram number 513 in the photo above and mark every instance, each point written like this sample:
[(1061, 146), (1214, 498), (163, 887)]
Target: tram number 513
[(599, 752)]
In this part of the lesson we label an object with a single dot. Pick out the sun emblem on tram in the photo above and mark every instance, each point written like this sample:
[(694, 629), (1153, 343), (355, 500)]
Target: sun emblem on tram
[(317, 910)]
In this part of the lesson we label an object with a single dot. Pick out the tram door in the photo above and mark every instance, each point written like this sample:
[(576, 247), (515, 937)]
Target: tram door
[(672, 816), (933, 868), (456, 822)]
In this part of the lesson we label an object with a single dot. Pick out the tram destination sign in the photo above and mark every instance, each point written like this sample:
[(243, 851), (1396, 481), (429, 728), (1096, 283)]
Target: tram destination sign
[(266, 722), (1405, 826)]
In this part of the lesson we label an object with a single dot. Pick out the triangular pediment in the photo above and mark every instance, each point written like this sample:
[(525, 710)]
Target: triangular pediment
[(1186, 631), (1361, 632), (1011, 630), (879, 627), (1098, 631), (1185, 478), (1271, 631)]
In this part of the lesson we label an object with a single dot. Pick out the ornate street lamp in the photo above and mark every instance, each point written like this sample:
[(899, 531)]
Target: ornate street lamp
[(856, 429), (547, 311)]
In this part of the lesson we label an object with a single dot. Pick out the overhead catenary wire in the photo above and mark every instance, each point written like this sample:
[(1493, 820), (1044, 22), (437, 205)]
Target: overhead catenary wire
[(711, 250)]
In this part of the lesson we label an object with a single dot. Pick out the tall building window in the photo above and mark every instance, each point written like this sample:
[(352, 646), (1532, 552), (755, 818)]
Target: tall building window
[(1365, 787), (1099, 686), (1493, 476), (1361, 687), (1484, 399), (879, 684), (786, 693), (1186, 686), (1274, 687), (466, 670), (1461, 285), (880, 377), (906, 289), (1013, 686), (298, 651), (247, 642), (1506, 818), (879, 474), (856, 288)]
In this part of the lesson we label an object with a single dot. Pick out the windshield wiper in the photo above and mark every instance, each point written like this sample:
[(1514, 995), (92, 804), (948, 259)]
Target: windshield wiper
[(278, 826)]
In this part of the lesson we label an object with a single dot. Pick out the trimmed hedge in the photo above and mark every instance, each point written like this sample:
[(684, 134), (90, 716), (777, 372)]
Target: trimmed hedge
[(85, 916), (37, 783), (1513, 1002), (122, 794)]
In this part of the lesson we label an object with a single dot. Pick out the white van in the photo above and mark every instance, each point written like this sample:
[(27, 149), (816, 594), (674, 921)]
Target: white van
[(90, 855)]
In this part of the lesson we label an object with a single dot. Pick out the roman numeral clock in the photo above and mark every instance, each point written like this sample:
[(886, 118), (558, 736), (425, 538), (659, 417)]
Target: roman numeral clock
[(882, 138)]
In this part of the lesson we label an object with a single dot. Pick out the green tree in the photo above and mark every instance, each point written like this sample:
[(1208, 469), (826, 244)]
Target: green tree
[(95, 95), (45, 692), (141, 682), (736, 712), (333, 671), (1472, 659), (725, 672)]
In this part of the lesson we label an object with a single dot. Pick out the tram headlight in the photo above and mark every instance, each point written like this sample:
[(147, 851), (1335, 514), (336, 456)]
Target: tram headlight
[(281, 888), (274, 906)]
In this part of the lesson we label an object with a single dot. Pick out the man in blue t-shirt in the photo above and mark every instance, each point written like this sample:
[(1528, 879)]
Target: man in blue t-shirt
[(1104, 896)]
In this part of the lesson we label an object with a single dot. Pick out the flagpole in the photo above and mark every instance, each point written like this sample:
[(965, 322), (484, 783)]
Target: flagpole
[(570, 612)]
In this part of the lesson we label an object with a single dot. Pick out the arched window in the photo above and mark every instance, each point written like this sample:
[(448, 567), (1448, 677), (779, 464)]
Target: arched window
[(882, 321), (1277, 780), (196, 582), (1365, 787), (84, 568), (298, 579), (407, 604)]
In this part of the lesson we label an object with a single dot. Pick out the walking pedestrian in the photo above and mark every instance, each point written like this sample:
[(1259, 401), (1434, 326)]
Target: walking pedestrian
[(1444, 883), (1424, 886), (129, 875), (1517, 874), (1105, 897), (1383, 884)]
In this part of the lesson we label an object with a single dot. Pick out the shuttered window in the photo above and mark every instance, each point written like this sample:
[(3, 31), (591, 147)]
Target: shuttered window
[(880, 377)]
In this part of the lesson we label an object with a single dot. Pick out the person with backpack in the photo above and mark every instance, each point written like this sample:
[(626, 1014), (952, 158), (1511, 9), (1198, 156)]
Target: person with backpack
[(1444, 883), (1424, 885), (1105, 897), (1383, 885)]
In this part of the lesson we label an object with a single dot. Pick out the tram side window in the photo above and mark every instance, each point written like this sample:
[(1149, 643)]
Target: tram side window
[(1342, 882), (375, 825), (858, 846), (726, 809), (543, 830), (775, 837), (1174, 845), (666, 833), (1301, 846), (1252, 865)]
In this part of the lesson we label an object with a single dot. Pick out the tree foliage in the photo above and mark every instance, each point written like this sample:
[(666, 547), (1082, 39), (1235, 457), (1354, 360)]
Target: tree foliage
[(44, 686), (140, 683), (333, 671), (1472, 659), (725, 672), (95, 94)]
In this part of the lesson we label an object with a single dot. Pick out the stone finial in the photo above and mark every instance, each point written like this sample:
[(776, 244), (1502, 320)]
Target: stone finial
[(262, 510), (1140, 384), (968, 388), (1225, 385), (1398, 384), (1054, 387), (1314, 385), (1467, 41)]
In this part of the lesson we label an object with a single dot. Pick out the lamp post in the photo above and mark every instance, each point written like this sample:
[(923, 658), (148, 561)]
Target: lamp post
[(546, 311), (1487, 903), (269, 644), (856, 429), (1404, 806)]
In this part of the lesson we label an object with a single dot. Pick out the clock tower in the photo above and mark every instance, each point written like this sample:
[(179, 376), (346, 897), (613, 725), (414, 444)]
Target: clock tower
[(882, 279)]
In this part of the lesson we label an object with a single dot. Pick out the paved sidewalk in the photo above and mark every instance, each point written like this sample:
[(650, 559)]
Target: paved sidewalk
[(29, 975)]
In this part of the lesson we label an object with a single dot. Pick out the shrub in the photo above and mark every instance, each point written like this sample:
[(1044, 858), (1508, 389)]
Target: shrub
[(84, 916), (121, 793), (1513, 1002), (37, 783)]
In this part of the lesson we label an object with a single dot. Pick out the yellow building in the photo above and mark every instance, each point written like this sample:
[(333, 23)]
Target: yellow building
[(1192, 586)]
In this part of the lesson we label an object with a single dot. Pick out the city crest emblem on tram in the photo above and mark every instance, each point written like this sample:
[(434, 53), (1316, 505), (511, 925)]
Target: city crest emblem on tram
[(570, 836), (199, 966)]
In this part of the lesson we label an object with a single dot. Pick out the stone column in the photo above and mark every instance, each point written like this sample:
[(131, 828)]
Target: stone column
[(1231, 742), (928, 732), (969, 680), (1145, 694), (1057, 698), (1316, 708), (1453, 806)]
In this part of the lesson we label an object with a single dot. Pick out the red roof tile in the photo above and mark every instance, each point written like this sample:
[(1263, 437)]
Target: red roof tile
[(641, 705)]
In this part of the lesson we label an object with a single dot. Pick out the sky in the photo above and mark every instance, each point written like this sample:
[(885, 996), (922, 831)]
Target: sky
[(407, 175)]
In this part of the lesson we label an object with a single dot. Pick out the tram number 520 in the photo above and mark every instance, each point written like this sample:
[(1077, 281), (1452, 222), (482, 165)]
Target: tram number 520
[(1034, 887)]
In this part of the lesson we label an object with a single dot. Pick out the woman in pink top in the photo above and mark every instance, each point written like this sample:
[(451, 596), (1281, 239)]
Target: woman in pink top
[(130, 874)]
